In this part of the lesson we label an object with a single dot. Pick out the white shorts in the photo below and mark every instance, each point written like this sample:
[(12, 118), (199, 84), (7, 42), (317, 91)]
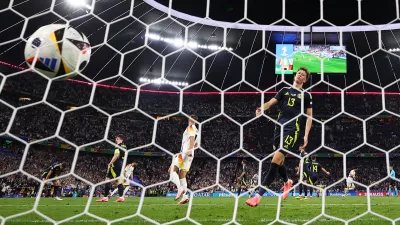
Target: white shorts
[(183, 161), (350, 182)]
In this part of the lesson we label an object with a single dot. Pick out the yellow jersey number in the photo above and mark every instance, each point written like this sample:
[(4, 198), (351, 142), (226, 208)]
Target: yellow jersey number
[(291, 101)]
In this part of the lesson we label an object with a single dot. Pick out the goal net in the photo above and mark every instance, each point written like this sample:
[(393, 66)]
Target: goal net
[(154, 64)]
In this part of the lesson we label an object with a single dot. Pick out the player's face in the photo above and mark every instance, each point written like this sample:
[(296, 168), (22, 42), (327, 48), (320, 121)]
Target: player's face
[(301, 77), (118, 140)]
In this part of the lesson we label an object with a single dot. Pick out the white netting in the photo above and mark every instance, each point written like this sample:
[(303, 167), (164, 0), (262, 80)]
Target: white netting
[(122, 55)]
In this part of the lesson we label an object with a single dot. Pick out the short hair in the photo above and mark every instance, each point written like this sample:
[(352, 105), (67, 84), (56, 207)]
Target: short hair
[(120, 136), (244, 161), (313, 157), (194, 117), (308, 74)]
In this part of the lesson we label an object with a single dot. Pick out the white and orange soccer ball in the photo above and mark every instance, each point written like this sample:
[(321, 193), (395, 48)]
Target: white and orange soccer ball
[(63, 50)]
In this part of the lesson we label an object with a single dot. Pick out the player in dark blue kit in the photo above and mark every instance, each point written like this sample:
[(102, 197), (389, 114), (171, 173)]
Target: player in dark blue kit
[(52, 172), (243, 177), (114, 170), (289, 100), (305, 163), (314, 168)]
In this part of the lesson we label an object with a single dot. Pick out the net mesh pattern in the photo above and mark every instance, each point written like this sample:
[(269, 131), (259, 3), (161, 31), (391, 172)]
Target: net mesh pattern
[(166, 20)]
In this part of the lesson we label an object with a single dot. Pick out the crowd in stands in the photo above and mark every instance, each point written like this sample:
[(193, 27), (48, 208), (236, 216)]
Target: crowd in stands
[(220, 136)]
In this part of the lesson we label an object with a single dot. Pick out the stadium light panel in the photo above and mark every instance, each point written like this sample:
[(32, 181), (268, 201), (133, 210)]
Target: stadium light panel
[(179, 42), (79, 3)]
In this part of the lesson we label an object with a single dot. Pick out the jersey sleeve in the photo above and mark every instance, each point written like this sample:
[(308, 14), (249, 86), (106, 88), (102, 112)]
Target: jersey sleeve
[(280, 94), (192, 131), (116, 151), (307, 100)]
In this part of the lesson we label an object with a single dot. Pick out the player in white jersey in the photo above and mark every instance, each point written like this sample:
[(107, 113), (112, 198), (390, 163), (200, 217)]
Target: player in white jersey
[(128, 174), (350, 181), (253, 184), (182, 162)]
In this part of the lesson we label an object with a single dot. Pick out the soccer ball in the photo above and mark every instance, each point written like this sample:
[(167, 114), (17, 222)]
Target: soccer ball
[(57, 57)]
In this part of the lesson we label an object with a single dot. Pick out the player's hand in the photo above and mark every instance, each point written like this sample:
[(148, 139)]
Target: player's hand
[(45, 181), (305, 143), (190, 153), (258, 111), (328, 173)]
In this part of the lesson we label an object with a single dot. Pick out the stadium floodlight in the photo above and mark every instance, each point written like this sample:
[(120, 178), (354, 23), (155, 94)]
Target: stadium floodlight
[(180, 43), (159, 81), (79, 3), (193, 44)]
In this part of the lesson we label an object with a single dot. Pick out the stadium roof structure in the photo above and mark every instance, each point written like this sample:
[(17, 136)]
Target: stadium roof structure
[(222, 68)]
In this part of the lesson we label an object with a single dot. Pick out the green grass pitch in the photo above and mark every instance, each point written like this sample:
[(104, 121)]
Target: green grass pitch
[(204, 210), (314, 64)]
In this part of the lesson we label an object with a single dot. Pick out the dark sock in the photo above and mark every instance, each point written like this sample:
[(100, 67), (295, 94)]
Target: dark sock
[(305, 190), (55, 191), (269, 178), (120, 190), (58, 192), (239, 190), (107, 189), (311, 191), (283, 173), (300, 189)]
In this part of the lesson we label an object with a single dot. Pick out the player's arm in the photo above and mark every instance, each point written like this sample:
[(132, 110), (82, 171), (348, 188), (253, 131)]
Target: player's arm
[(49, 173), (326, 172), (114, 158), (241, 175), (191, 145), (266, 106), (309, 113)]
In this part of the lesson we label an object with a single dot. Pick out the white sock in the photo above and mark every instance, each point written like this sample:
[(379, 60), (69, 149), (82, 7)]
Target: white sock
[(126, 190), (174, 178), (114, 191), (183, 183)]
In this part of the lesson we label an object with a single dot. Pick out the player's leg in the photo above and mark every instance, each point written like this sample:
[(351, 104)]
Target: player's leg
[(305, 192), (107, 186), (290, 139), (277, 160), (113, 193), (187, 163), (313, 179), (183, 188), (120, 186), (126, 190), (57, 190), (251, 190), (173, 170), (300, 191), (127, 185), (239, 187)]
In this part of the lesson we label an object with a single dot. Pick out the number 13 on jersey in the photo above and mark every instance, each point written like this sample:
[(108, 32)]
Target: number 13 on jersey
[(291, 101)]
